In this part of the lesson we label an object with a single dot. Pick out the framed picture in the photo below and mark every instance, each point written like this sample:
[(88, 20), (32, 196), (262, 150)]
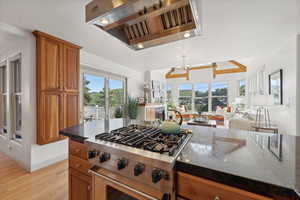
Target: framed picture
[(275, 86), (156, 90), (275, 145)]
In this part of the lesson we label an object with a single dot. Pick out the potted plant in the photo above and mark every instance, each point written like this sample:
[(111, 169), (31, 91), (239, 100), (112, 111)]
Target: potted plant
[(132, 108), (118, 112)]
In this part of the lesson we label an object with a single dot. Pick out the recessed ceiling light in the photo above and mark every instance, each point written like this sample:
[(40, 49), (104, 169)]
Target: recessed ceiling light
[(104, 21), (187, 35), (140, 46)]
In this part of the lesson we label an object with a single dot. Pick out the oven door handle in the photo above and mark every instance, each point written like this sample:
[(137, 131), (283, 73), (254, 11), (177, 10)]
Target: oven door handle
[(123, 185)]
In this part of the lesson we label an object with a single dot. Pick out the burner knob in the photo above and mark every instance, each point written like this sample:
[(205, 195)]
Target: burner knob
[(157, 175), (104, 157), (122, 163), (92, 154), (139, 169)]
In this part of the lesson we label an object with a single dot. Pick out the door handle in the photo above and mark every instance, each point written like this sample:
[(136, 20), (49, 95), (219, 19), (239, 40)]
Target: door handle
[(124, 186)]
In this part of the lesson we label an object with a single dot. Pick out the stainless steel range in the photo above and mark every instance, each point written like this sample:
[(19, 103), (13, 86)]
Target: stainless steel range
[(135, 162)]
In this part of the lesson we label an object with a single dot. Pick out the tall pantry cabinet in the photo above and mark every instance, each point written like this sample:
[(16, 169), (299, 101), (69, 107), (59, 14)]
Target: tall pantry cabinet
[(57, 86)]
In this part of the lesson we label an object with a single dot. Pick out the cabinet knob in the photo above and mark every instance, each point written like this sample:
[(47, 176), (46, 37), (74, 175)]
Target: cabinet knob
[(77, 165), (217, 198), (77, 150), (89, 188)]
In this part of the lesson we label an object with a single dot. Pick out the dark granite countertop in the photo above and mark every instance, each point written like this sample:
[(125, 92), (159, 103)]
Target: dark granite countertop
[(242, 159), (82, 132)]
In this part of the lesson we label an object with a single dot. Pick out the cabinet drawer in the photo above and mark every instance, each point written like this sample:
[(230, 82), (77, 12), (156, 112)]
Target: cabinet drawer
[(79, 164), (195, 188), (78, 149)]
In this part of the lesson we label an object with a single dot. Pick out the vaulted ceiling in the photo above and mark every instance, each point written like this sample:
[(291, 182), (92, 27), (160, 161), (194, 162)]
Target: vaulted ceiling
[(232, 30)]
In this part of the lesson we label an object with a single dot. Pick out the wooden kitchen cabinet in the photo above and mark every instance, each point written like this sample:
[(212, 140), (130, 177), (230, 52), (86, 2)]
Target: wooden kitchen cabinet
[(80, 181), (71, 69), (71, 109), (80, 186), (57, 84), (51, 121), (195, 188), (49, 62)]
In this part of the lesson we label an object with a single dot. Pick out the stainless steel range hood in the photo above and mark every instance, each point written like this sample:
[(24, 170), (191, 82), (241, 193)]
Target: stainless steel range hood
[(146, 23)]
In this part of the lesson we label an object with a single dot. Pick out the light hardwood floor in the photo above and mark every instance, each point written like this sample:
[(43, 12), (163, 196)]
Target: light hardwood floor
[(50, 183)]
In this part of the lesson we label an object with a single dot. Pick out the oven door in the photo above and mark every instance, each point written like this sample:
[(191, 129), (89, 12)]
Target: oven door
[(107, 188)]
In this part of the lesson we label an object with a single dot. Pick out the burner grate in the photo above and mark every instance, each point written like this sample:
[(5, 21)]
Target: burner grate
[(150, 139)]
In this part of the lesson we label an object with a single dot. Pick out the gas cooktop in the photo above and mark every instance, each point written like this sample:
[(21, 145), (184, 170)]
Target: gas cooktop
[(146, 138)]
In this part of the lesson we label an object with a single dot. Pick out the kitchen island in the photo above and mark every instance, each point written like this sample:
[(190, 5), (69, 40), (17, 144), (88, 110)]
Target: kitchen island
[(240, 159), (243, 159)]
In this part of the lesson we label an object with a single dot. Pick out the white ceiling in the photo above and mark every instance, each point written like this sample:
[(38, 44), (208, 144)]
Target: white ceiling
[(232, 29)]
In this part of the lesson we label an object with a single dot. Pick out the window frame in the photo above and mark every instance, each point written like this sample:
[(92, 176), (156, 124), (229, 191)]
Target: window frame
[(168, 100), (192, 96), (12, 94), (4, 95), (107, 76), (213, 96), (239, 87), (208, 95)]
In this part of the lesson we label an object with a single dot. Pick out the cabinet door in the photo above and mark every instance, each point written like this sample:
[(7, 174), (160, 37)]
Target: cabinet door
[(206, 190), (49, 116), (80, 186), (49, 61), (71, 108), (71, 69)]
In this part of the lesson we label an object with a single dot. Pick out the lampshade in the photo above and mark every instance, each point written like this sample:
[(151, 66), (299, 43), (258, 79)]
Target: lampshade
[(239, 100), (263, 100), (270, 100)]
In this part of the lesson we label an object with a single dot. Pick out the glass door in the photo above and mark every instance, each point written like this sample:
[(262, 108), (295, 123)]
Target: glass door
[(104, 100), (93, 95), (116, 104)]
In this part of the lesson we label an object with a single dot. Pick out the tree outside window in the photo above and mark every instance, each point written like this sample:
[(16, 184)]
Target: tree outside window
[(185, 96), (219, 95), (242, 88), (201, 97)]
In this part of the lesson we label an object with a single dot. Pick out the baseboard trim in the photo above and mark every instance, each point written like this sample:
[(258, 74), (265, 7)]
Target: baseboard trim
[(49, 162)]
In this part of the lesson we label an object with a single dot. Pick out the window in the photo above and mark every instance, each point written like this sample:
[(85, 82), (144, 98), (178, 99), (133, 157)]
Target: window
[(3, 99), (201, 97), (103, 100), (242, 88), (219, 95), (16, 93), (185, 96), (168, 93)]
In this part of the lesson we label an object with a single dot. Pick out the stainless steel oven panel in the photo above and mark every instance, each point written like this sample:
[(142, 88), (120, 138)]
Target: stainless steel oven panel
[(122, 185), (147, 157), (165, 184)]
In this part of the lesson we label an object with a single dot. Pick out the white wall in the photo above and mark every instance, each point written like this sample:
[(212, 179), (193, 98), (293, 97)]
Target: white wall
[(30, 155), (298, 84), (284, 57)]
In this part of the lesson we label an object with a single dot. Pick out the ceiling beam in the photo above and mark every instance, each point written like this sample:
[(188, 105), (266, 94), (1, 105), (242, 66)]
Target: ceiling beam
[(169, 74), (230, 71), (201, 67), (240, 68), (151, 12), (243, 67), (214, 66)]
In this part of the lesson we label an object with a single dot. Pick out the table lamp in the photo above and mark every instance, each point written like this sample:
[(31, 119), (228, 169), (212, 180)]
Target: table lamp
[(262, 113)]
